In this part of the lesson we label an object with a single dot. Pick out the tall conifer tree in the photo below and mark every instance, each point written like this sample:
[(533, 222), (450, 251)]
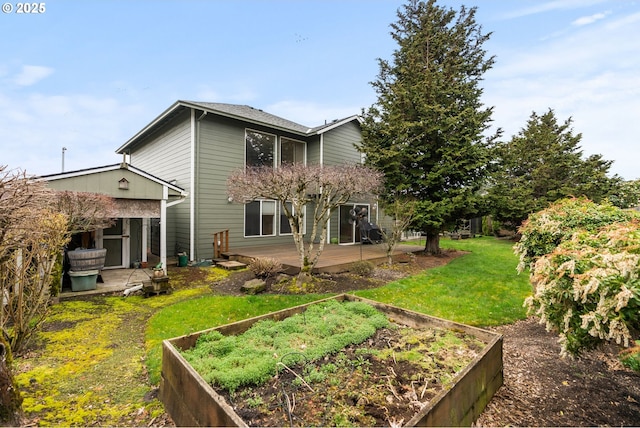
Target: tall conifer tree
[(542, 164), (425, 132)]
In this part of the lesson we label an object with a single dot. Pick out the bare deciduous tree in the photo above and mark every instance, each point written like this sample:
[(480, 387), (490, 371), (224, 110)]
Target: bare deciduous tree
[(35, 225), (401, 212), (20, 198), (321, 188), (85, 212), (26, 278)]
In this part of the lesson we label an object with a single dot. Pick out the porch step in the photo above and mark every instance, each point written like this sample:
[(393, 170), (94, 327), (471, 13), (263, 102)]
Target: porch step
[(231, 265), (228, 255)]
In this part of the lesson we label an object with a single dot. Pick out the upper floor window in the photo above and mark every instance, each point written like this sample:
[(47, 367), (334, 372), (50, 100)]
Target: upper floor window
[(291, 151), (260, 148)]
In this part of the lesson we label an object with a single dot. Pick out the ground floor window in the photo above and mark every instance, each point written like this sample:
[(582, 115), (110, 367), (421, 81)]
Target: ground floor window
[(260, 218)]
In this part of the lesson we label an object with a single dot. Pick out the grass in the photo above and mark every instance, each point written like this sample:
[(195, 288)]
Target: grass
[(481, 288), (101, 357)]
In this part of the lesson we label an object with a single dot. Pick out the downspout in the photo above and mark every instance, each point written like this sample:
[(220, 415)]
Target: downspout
[(163, 228), (322, 163), (195, 182), (192, 188), (164, 204)]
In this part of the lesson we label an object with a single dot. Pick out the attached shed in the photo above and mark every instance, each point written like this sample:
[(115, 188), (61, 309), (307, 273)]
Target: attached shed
[(142, 201)]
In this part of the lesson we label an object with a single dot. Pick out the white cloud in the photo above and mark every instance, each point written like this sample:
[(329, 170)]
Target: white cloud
[(35, 127), (590, 75), (32, 74), (586, 20), (549, 6)]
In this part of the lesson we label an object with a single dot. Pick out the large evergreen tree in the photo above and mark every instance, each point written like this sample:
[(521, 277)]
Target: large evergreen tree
[(425, 132), (542, 164)]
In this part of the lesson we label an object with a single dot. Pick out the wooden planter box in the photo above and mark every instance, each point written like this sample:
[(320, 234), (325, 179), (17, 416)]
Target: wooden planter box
[(192, 402)]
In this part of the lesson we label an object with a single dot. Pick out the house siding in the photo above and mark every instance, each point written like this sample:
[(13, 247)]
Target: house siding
[(221, 150), (339, 144), (339, 148), (166, 154), (107, 183)]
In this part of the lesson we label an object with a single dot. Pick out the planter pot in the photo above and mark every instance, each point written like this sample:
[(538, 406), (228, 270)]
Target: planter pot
[(84, 280), (191, 401)]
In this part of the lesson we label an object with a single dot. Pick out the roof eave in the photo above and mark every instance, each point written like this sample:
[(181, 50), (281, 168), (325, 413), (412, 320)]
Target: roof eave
[(336, 124), (160, 118), (96, 170)]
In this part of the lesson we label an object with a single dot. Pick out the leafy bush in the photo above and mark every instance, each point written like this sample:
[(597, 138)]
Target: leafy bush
[(543, 231), (265, 267), (362, 268), (588, 287)]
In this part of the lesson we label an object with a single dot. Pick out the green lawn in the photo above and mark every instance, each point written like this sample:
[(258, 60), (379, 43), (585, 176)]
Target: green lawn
[(481, 288)]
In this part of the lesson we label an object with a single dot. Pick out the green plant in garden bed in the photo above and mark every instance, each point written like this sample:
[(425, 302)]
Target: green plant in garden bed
[(206, 312), (631, 357), (252, 357)]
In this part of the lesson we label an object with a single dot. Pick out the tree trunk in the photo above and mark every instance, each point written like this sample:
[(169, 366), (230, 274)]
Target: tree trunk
[(10, 399), (432, 245)]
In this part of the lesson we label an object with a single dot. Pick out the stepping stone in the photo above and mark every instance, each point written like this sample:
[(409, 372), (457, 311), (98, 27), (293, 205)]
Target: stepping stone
[(254, 286), (231, 265)]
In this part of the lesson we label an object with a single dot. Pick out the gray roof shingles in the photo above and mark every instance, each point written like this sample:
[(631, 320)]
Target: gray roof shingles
[(253, 114)]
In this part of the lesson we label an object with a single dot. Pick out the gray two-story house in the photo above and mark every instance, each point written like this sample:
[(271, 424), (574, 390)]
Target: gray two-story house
[(196, 145)]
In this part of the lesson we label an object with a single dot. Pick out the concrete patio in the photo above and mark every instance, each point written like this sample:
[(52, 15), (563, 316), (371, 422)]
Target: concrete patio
[(113, 281)]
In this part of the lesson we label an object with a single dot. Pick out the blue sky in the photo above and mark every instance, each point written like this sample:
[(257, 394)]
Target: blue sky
[(87, 75)]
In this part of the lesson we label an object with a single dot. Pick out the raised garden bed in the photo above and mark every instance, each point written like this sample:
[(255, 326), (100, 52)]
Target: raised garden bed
[(389, 378)]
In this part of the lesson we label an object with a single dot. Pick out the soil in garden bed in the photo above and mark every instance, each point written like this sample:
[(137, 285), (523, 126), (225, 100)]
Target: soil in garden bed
[(384, 381)]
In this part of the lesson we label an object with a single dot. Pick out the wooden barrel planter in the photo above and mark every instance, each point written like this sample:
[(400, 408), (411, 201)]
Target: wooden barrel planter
[(191, 401), (87, 259), (85, 266)]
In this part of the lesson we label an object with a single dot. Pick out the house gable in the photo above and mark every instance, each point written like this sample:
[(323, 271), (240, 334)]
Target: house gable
[(118, 181), (199, 144)]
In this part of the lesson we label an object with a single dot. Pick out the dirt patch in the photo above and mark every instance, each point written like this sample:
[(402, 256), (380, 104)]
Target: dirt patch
[(386, 380), (343, 282), (542, 389)]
